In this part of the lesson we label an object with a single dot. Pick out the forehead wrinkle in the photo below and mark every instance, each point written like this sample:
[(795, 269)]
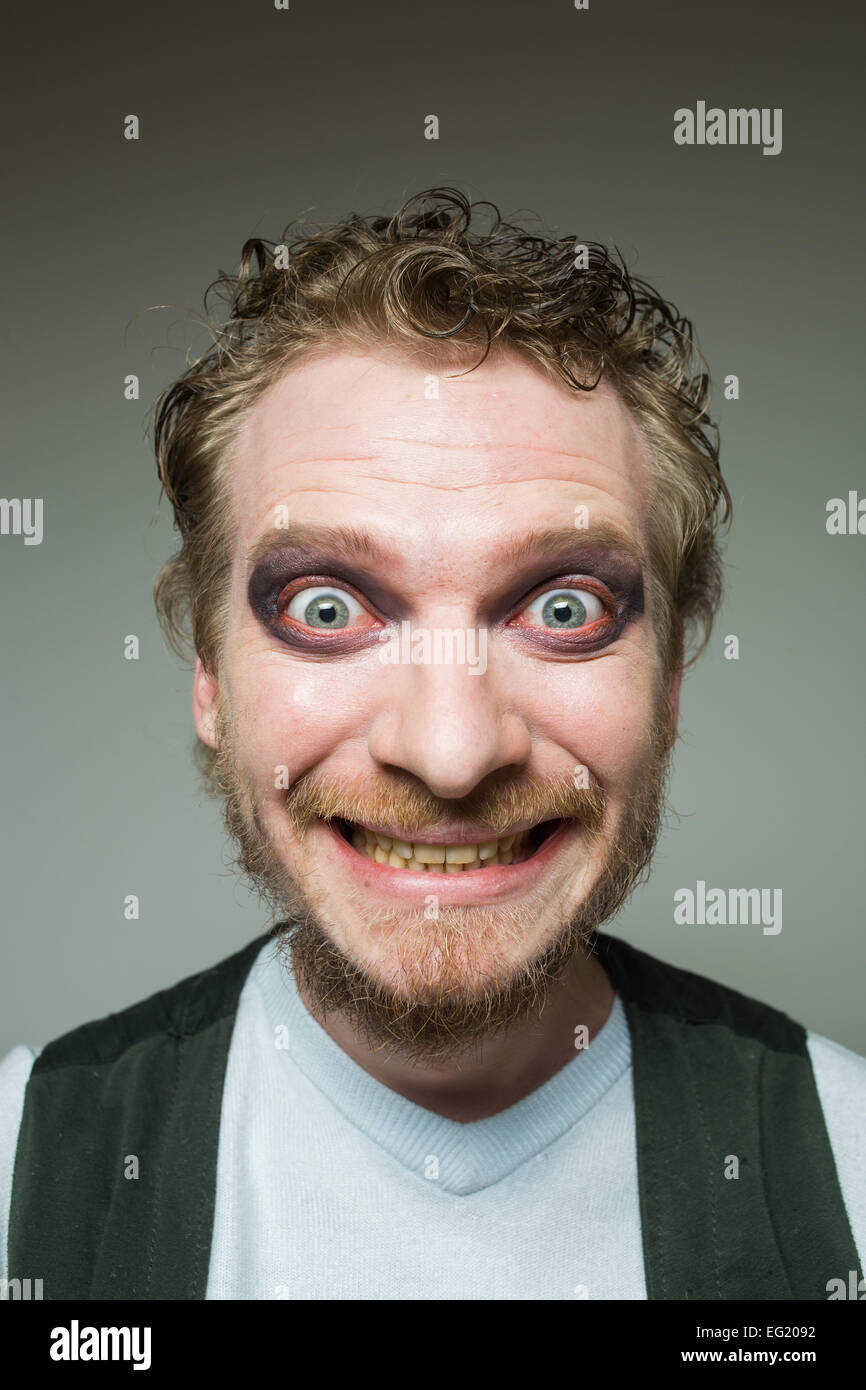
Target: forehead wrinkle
[(491, 444), (453, 487), (487, 444)]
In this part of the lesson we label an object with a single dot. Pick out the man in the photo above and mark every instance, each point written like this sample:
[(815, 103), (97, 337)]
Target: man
[(448, 504)]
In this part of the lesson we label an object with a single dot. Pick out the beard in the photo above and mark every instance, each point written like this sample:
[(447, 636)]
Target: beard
[(454, 981)]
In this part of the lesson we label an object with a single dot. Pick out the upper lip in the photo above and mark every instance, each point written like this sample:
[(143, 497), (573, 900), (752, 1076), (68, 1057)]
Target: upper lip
[(451, 835)]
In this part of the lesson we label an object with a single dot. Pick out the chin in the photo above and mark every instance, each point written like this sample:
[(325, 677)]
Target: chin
[(453, 950)]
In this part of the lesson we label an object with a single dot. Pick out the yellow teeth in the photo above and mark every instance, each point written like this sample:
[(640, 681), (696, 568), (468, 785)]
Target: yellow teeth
[(437, 859)]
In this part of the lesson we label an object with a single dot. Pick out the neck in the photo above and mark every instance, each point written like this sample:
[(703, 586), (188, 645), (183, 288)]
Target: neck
[(501, 1069)]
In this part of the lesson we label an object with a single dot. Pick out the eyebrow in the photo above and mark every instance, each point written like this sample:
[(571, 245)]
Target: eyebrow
[(353, 543), (349, 542), (556, 540)]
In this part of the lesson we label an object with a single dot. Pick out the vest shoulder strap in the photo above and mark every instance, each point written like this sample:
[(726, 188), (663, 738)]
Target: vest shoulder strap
[(115, 1170), (739, 1194)]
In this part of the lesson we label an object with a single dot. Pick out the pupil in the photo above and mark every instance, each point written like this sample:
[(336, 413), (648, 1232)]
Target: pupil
[(327, 612)]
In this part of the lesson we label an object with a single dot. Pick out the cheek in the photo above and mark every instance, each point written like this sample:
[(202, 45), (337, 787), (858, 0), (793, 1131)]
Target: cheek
[(600, 713), (288, 714)]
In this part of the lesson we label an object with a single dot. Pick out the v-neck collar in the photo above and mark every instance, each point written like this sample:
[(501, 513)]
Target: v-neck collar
[(462, 1158)]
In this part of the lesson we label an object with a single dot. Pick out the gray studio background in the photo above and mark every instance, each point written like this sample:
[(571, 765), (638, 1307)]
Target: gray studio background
[(251, 116)]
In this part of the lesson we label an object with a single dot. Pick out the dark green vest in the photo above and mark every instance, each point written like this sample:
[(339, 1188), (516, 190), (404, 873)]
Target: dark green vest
[(717, 1077)]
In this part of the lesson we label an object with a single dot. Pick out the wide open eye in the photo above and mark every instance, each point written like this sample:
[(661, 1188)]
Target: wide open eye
[(325, 608), (562, 609)]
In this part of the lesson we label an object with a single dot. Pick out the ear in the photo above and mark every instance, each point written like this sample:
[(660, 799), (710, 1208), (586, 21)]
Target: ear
[(205, 689)]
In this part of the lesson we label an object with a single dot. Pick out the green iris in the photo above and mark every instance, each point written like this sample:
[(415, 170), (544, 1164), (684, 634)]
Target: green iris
[(564, 610), (326, 610)]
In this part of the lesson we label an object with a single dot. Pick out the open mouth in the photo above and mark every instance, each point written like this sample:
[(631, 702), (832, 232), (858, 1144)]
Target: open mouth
[(446, 859)]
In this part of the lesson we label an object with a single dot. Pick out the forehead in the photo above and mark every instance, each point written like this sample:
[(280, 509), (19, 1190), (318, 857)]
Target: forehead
[(435, 462)]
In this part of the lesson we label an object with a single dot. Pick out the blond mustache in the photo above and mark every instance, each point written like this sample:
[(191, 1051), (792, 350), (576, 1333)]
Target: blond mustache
[(415, 810)]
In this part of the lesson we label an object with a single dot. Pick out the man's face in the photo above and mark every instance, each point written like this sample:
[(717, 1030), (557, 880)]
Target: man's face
[(503, 516)]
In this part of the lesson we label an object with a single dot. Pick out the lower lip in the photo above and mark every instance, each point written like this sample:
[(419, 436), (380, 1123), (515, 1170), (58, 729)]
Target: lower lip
[(470, 886)]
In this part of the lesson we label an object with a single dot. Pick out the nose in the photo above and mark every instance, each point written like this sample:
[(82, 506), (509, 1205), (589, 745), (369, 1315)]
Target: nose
[(446, 726)]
